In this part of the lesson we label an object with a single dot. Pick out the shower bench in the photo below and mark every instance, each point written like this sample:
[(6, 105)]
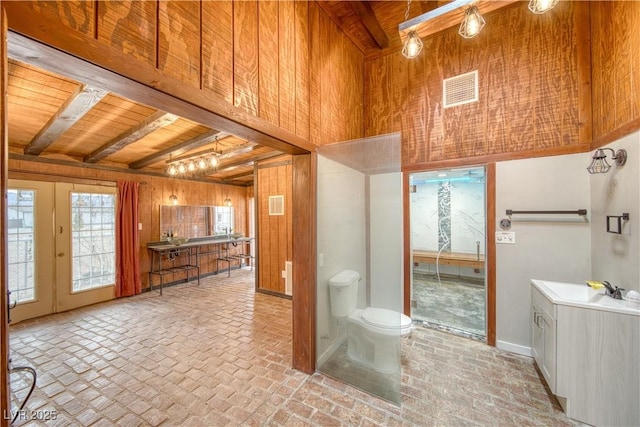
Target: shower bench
[(449, 258)]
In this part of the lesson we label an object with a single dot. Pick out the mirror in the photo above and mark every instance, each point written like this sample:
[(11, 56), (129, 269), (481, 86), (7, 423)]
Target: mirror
[(195, 221)]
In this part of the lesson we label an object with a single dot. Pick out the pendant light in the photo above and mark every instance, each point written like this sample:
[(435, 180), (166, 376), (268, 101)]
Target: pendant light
[(472, 23), (413, 44), (541, 6)]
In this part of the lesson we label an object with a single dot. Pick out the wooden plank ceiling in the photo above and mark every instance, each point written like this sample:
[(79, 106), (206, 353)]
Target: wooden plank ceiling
[(55, 118)]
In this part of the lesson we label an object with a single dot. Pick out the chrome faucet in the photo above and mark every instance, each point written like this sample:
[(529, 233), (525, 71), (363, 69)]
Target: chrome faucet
[(613, 291)]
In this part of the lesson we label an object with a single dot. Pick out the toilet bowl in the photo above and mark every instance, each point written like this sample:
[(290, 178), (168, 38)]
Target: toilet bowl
[(373, 334)]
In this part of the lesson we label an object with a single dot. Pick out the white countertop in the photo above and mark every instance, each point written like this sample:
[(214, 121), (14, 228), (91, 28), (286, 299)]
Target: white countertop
[(582, 295), (161, 247)]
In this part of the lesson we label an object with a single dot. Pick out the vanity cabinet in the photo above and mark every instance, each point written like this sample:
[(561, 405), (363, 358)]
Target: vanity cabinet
[(543, 335), (587, 346)]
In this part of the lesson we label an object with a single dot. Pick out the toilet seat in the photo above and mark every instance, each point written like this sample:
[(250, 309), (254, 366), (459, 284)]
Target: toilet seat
[(387, 319)]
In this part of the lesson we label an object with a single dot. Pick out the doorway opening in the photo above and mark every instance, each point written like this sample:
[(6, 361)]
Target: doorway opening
[(448, 247)]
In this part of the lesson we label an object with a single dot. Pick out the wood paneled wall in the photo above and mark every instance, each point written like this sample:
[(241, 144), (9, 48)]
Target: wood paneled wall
[(615, 41), (337, 72), (534, 93), (275, 232), (154, 191), (252, 55)]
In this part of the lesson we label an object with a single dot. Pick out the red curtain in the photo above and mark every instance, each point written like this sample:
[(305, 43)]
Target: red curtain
[(127, 241)]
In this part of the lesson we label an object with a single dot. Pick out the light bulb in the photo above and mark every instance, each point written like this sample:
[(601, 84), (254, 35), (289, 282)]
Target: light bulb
[(191, 166), (541, 6), (202, 164), (182, 168), (172, 170), (412, 45), (213, 161), (472, 23)]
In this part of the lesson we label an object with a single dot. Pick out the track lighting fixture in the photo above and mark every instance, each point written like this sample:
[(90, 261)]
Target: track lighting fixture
[(472, 23)]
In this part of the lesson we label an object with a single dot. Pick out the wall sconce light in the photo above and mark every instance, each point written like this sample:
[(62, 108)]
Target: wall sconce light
[(173, 199), (541, 6), (227, 202), (599, 162), (472, 23), (413, 44)]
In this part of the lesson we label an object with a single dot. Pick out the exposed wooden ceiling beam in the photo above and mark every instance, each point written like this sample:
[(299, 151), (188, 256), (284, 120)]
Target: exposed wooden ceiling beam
[(83, 99), (371, 23), (238, 175), (179, 149), (239, 163), (152, 123), (447, 16), (329, 11), (238, 149)]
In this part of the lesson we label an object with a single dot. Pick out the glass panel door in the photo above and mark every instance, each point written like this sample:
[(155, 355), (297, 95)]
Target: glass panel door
[(447, 211), (85, 244), (30, 248), (61, 246)]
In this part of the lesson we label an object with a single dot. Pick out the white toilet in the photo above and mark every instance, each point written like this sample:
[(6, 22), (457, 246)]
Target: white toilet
[(373, 334)]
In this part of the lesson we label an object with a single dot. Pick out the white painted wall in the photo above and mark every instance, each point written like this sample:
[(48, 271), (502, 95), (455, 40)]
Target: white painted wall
[(616, 258), (341, 239), (550, 247), (385, 236)]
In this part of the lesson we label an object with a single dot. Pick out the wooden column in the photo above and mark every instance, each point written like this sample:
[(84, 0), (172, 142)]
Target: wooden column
[(490, 246), (4, 320), (304, 262)]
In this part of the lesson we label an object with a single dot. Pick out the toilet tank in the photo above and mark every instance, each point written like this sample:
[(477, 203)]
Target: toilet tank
[(343, 293)]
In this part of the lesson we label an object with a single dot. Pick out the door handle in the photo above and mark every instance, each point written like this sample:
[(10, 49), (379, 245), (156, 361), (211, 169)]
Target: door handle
[(60, 254), (10, 306)]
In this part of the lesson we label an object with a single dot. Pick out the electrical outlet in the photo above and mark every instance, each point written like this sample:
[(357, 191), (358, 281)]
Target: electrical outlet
[(506, 237)]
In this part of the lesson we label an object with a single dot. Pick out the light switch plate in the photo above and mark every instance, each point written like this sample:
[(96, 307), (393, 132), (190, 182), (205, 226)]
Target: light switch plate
[(506, 237)]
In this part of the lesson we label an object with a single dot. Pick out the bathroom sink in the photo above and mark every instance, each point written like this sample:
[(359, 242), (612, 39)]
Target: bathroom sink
[(573, 291), (177, 241), (581, 295)]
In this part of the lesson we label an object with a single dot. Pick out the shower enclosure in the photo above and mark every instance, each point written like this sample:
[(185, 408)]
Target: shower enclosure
[(447, 211), (359, 247)]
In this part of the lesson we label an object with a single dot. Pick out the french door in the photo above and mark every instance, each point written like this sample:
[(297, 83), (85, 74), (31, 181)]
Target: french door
[(61, 246)]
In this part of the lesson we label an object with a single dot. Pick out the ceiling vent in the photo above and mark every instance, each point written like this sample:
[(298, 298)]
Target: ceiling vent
[(460, 90)]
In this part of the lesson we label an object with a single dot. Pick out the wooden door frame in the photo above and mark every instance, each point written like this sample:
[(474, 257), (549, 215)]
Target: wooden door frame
[(490, 266), (5, 405)]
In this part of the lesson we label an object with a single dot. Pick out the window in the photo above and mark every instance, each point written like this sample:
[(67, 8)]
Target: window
[(93, 240)]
